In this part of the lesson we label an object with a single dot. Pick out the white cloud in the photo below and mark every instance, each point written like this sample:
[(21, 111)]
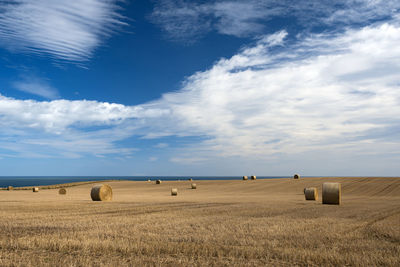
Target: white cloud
[(68, 128), (58, 115), (188, 21), (243, 18), (67, 30), (322, 93), (336, 94), (358, 11)]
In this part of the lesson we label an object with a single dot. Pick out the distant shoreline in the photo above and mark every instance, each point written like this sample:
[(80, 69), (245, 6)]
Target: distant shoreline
[(56, 186), (54, 182), (29, 181)]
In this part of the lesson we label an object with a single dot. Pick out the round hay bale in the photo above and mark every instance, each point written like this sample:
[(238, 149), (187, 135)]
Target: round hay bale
[(9, 188), (331, 193), (174, 191), (194, 186), (101, 193), (35, 189), (245, 178), (296, 176), (158, 182), (148, 180), (62, 191), (253, 177), (190, 179), (311, 193), (304, 191)]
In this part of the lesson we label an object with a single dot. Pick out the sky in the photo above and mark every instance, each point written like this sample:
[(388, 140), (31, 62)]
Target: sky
[(220, 87)]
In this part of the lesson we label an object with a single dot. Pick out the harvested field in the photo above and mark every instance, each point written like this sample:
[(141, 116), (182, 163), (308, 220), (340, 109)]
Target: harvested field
[(222, 223)]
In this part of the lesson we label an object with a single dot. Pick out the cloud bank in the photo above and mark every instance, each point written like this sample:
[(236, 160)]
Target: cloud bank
[(68, 30), (326, 92)]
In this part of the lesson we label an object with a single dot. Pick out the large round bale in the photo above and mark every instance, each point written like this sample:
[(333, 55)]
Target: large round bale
[(9, 188), (158, 181), (62, 191), (304, 191), (331, 193), (101, 192), (253, 177), (174, 191), (245, 178), (311, 193), (190, 179), (194, 186), (35, 189), (296, 176)]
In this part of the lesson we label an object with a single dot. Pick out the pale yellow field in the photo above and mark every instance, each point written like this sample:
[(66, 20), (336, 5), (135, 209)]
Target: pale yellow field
[(221, 223)]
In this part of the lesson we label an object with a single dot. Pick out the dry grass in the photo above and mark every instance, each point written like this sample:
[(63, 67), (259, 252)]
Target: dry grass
[(223, 223)]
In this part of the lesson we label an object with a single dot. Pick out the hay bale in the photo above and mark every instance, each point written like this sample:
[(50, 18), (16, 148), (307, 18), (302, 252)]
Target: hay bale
[(296, 176), (253, 177), (148, 180), (35, 189), (9, 188), (304, 190), (62, 191), (174, 191), (101, 193), (190, 179), (194, 186), (245, 178), (158, 181), (311, 193), (331, 193)]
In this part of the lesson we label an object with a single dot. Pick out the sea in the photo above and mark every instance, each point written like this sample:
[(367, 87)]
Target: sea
[(19, 181)]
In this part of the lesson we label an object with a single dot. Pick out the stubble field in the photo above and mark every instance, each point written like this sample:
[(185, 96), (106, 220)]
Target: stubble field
[(221, 223)]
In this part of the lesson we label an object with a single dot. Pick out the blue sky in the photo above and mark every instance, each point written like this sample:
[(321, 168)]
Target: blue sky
[(174, 87)]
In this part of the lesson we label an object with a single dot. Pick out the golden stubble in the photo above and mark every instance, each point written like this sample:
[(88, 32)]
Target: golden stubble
[(221, 223)]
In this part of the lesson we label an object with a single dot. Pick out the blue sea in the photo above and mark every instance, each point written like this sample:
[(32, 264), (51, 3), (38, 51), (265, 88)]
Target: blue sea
[(18, 181)]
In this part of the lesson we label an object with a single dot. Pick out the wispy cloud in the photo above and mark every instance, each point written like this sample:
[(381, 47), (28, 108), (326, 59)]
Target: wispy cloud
[(67, 30), (153, 159), (328, 92), (161, 145), (36, 86), (188, 21)]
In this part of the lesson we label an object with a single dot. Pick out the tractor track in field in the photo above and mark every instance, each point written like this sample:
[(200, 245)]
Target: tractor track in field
[(380, 217)]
